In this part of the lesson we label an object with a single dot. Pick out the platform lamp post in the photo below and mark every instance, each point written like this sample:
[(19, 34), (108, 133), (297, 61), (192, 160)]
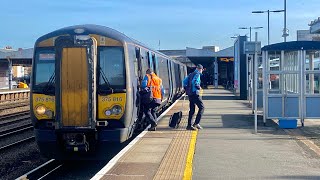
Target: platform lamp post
[(250, 28), (268, 11), (10, 71)]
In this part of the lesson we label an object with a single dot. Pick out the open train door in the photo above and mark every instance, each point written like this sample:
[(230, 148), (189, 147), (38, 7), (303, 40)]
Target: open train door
[(75, 78)]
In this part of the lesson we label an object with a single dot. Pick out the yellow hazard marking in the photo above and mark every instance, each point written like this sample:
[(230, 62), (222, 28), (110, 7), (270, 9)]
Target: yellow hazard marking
[(188, 170)]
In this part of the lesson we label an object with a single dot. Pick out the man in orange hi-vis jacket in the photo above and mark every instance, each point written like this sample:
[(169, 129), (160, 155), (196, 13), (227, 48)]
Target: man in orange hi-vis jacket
[(154, 84)]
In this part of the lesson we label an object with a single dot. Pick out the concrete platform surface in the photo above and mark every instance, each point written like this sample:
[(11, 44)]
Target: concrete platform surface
[(226, 148)]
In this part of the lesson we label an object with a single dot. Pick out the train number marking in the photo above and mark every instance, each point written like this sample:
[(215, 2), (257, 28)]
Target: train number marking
[(42, 99), (113, 99)]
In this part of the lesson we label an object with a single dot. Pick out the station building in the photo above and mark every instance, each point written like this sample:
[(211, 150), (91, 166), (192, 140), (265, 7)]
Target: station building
[(218, 63), (15, 65)]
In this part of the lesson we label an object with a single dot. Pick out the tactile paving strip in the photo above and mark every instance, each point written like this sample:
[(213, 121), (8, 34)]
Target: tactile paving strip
[(160, 154), (174, 162)]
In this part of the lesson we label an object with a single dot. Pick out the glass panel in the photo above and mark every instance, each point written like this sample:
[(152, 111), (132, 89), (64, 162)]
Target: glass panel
[(44, 71), (164, 75), (144, 62), (274, 84), (291, 83), (260, 69), (312, 83), (274, 60), (291, 61), (111, 62), (312, 61)]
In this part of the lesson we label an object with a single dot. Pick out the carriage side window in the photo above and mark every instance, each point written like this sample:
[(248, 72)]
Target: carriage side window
[(144, 62), (137, 64), (148, 60), (112, 72), (155, 63)]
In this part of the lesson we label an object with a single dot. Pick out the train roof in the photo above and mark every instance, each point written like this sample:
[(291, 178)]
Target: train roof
[(99, 30)]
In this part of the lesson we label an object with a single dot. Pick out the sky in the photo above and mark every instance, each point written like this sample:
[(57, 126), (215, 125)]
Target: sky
[(177, 24)]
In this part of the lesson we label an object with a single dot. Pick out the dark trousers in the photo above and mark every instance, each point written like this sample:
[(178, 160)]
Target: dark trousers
[(195, 100), (150, 112)]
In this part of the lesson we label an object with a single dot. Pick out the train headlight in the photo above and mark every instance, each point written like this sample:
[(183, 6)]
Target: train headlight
[(116, 109), (107, 112), (41, 110)]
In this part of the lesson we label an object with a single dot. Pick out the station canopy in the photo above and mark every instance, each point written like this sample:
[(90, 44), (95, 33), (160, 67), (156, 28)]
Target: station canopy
[(207, 56)]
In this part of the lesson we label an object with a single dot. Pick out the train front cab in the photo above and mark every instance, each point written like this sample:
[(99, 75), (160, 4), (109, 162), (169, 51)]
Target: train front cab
[(79, 93)]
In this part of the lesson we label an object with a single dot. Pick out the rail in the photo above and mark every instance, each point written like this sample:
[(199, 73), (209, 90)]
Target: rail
[(42, 171)]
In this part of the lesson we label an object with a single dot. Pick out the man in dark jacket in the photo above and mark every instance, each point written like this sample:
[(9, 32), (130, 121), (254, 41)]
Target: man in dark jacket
[(154, 83), (192, 84)]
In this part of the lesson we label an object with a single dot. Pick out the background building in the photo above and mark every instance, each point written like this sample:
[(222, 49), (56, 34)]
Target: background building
[(305, 35)]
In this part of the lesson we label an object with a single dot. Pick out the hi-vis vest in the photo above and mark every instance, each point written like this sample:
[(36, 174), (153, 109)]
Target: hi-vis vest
[(155, 83)]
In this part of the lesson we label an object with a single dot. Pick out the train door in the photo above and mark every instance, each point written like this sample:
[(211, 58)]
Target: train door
[(170, 79), (75, 77)]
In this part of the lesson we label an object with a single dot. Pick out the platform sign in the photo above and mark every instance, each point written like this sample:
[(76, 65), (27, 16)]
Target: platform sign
[(249, 47)]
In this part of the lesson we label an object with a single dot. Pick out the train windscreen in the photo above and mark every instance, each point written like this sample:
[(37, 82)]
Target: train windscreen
[(111, 68), (44, 76)]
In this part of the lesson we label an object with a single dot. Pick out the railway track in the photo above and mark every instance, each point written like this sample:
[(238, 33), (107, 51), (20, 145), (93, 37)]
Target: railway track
[(42, 171), (29, 139), (5, 106), (7, 119), (12, 126), (15, 130)]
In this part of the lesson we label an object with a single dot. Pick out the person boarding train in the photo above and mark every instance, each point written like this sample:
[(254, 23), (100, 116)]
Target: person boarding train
[(152, 83)]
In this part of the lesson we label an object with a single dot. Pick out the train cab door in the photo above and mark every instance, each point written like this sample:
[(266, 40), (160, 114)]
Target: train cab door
[(76, 71)]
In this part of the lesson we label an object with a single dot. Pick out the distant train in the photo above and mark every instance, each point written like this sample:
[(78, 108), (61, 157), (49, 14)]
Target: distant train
[(85, 85)]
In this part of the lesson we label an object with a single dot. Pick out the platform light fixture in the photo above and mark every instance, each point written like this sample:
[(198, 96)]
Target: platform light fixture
[(285, 33)]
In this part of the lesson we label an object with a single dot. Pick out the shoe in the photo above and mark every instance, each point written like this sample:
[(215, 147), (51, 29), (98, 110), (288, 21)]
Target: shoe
[(191, 128), (153, 127), (197, 126)]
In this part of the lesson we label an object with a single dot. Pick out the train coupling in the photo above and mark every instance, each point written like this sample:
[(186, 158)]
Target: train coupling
[(76, 142)]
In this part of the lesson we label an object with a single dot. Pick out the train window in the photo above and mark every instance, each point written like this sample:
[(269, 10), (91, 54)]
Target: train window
[(177, 74), (155, 63), (148, 59), (111, 62), (144, 63), (137, 64), (151, 62), (44, 69)]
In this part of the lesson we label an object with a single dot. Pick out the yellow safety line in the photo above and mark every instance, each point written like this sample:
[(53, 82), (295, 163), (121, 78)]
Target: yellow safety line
[(188, 170)]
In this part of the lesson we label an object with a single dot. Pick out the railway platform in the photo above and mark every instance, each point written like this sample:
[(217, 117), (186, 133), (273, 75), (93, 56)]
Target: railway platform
[(14, 94), (226, 148)]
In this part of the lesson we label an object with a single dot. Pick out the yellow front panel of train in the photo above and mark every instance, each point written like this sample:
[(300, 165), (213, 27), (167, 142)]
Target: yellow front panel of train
[(74, 87), (111, 106), (43, 106)]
